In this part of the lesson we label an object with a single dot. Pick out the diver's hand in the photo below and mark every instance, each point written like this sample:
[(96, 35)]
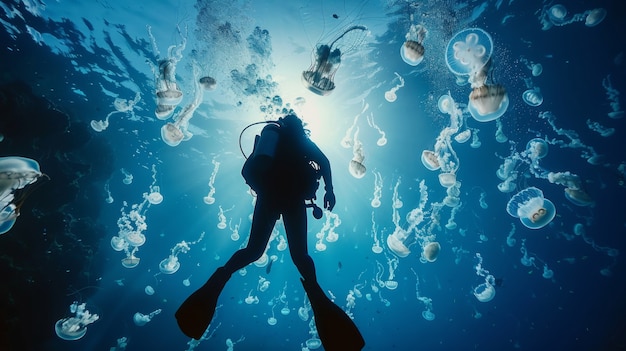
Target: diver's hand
[(329, 200)]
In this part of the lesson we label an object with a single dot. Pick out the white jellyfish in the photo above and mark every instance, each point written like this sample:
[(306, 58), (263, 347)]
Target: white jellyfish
[(75, 327), (532, 97), (356, 167), (170, 264), (326, 58), (412, 51), (469, 51), (141, 319), (390, 95), (121, 106), (486, 291), (15, 173), (533, 210)]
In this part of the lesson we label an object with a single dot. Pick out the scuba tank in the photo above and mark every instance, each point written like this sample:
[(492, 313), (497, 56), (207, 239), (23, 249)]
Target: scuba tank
[(258, 166)]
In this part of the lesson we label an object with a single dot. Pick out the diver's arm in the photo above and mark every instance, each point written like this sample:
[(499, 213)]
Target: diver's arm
[(322, 161)]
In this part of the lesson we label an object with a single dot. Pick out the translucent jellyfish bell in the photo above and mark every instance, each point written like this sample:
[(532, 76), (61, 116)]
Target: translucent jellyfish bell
[(468, 51), (488, 102), (557, 14), (429, 160), (325, 62), (447, 179), (141, 319), (15, 173), (463, 136), (313, 343), (130, 261), (532, 97), (484, 292), (171, 134), (428, 315), (395, 242), (446, 104), (169, 265), (431, 251), (594, 17), (412, 51), (74, 328), (155, 197), (578, 197), (533, 210), (537, 148)]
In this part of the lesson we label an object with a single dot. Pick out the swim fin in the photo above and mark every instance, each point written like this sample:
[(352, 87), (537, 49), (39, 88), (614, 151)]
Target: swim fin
[(336, 329), (196, 313)]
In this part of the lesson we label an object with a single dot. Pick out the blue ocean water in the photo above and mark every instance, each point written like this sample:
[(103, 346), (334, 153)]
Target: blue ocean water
[(80, 85)]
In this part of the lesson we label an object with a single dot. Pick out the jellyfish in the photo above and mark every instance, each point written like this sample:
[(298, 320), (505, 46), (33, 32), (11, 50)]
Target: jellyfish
[(109, 199), (325, 62), (155, 196), (168, 95), (378, 189), (429, 160), (74, 328), (536, 149), (536, 69), (131, 261), (412, 51), (533, 210), (210, 199), (428, 315), (251, 299), (532, 97), (486, 291), (431, 251), (578, 197), (128, 177), (170, 265), (463, 137), (395, 242), (500, 136), (272, 320), (613, 97), (392, 263), (547, 272), (446, 104), (556, 14), (382, 140), (356, 167), (121, 106), (488, 102), (173, 133), (17, 177), (469, 51), (149, 290), (141, 319), (186, 281), (447, 179), (390, 95), (594, 17)]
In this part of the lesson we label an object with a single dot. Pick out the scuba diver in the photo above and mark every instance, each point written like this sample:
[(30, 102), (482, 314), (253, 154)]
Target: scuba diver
[(283, 170)]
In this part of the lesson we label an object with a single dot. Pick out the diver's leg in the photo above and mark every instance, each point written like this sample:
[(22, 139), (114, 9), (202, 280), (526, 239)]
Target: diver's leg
[(263, 221), (295, 220), (335, 328), (195, 314)]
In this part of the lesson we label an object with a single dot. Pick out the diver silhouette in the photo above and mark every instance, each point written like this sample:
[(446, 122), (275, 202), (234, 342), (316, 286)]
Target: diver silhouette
[(284, 171)]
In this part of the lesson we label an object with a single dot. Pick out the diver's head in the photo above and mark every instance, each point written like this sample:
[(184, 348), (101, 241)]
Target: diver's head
[(292, 125)]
